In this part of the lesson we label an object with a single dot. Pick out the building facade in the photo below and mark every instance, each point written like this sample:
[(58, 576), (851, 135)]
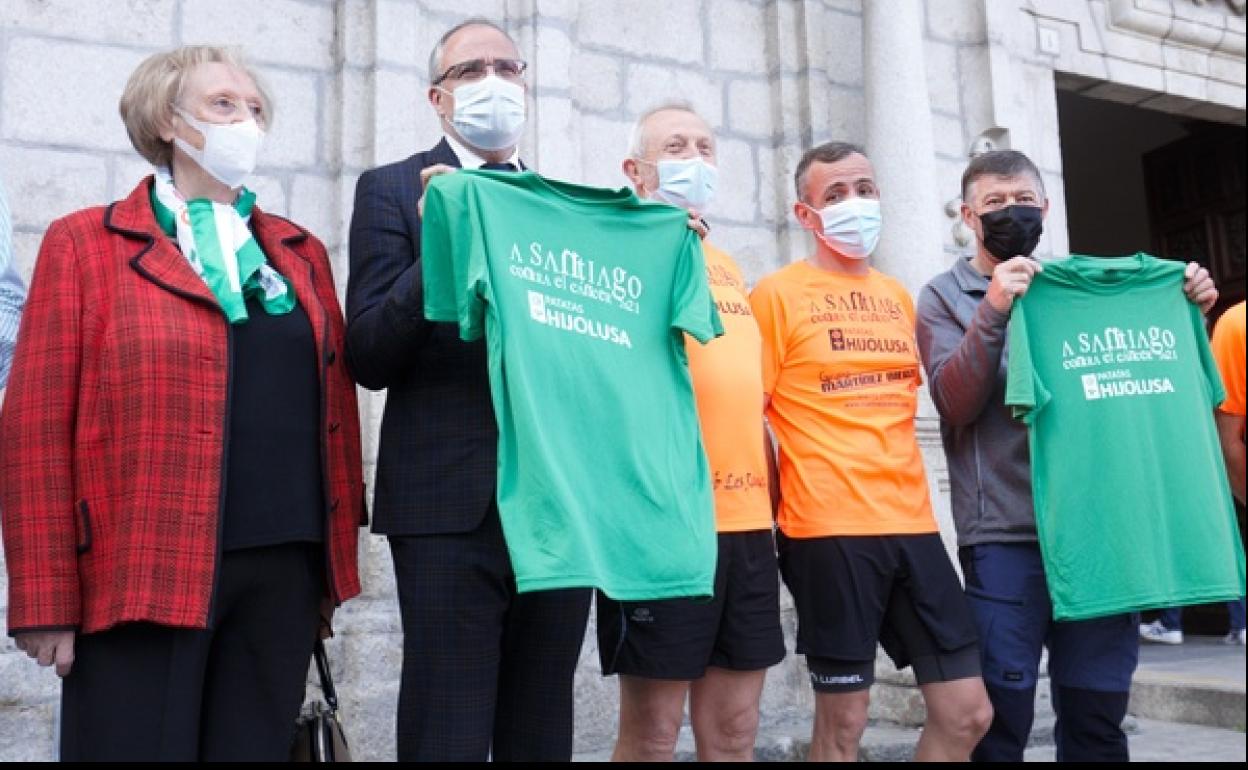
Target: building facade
[(1119, 102)]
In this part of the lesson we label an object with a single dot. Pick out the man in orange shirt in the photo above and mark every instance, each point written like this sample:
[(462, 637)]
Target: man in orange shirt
[(717, 652), (859, 546), (1228, 350)]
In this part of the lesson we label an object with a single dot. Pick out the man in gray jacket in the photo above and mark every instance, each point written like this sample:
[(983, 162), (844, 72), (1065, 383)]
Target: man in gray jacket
[(962, 318)]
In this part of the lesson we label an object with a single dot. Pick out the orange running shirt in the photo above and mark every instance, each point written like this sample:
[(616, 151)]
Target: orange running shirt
[(1228, 351), (842, 370), (728, 384)]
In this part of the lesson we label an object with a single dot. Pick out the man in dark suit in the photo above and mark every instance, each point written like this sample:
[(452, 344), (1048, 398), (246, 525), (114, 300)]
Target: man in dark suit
[(486, 671)]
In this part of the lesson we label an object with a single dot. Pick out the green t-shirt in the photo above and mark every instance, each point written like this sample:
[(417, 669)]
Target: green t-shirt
[(583, 295), (1110, 368)]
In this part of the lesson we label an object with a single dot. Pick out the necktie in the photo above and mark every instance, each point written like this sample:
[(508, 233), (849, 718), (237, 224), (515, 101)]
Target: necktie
[(498, 167)]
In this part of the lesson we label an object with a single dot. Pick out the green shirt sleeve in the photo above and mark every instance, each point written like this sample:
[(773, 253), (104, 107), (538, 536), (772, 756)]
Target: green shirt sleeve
[(693, 307), (453, 258), (1024, 390)]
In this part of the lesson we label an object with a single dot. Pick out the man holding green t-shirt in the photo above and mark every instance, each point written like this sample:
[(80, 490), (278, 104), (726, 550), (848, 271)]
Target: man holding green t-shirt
[(487, 672), (962, 317)]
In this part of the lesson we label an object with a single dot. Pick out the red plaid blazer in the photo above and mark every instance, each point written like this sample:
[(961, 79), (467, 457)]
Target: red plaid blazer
[(112, 436)]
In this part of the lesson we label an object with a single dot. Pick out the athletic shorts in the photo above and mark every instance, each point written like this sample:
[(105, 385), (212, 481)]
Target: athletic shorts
[(900, 591), (737, 629)]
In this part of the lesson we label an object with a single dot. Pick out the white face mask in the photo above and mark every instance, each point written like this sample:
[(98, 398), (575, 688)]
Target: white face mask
[(230, 149), (686, 182), (489, 114), (851, 227)]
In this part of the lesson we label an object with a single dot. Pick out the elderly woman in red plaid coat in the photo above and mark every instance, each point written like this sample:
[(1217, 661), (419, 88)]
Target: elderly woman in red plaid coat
[(180, 474)]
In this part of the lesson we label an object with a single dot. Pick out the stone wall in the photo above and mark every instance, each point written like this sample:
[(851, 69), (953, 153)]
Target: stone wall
[(349, 77)]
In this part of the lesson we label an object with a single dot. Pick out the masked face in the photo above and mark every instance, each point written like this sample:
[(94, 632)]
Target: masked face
[(230, 150), (851, 227), (1012, 231), (489, 113), (686, 182)]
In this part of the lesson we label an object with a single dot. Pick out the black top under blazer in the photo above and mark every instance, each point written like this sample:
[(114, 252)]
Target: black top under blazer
[(437, 460)]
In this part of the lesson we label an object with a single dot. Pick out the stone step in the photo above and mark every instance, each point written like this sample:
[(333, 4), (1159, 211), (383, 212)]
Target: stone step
[(1199, 682), (1151, 740), (1170, 698)]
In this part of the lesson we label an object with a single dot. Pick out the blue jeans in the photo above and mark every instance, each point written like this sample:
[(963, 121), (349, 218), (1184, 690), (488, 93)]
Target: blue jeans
[(1172, 617), (1091, 662)]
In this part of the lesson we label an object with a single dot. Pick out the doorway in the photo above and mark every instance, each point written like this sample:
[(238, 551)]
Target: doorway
[(1141, 180)]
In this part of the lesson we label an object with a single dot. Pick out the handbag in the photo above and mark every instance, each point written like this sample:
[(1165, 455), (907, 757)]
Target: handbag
[(319, 736)]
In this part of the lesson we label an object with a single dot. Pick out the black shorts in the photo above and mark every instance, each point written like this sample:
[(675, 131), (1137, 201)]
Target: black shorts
[(899, 591), (738, 629)]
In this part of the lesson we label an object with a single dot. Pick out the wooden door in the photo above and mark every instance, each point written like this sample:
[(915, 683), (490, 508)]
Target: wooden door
[(1196, 204)]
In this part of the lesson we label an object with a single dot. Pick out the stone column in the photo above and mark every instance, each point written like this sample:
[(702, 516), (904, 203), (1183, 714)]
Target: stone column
[(899, 140)]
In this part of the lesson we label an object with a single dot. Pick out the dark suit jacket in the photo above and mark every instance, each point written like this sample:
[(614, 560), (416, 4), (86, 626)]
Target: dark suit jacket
[(439, 442)]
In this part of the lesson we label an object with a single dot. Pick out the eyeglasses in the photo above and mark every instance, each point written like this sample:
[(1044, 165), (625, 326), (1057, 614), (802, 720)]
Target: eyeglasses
[(223, 109), (475, 69)]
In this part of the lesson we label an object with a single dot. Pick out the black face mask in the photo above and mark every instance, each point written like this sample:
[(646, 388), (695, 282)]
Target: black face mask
[(1012, 231)]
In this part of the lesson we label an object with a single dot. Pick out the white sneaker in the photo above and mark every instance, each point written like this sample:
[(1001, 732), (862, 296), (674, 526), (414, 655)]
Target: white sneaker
[(1156, 632), (1234, 638)]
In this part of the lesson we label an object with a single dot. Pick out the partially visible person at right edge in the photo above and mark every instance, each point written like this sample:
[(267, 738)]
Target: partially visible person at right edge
[(962, 319), (1229, 351)]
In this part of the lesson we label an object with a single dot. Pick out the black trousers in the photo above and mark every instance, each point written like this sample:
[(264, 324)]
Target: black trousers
[(486, 671), (145, 692)]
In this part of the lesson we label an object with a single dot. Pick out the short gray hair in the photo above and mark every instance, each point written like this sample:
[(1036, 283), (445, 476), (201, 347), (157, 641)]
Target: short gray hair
[(637, 139), (998, 163), (435, 56)]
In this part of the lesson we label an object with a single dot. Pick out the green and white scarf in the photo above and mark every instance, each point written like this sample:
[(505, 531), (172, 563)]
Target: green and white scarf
[(217, 242)]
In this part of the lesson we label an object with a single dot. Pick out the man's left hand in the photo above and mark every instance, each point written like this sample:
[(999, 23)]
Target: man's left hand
[(1198, 286)]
